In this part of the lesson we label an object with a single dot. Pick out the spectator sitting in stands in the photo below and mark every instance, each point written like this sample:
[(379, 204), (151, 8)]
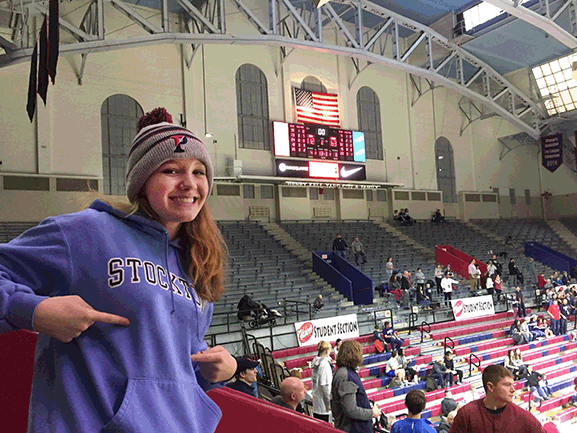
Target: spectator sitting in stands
[(538, 385), (318, 303), (438, 217), (423, 299), (410, 373), (394, 369), (428, 290), (515, 333), (406, 218), (392, 337), (544, 327), (565, 278), (534, 329), (518, 361), (446, 423), (245, 376), (448, 404), (524, 329), (471, 394), (450, 365), (292, 393), (439, 373), (415, 401), (377, 336)]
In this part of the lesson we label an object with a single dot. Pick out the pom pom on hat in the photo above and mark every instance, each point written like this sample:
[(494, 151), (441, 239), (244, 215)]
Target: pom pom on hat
[(153, 117), (158, 140)]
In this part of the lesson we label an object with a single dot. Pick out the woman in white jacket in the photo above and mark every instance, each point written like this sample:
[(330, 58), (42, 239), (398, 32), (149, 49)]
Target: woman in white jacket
[(321, 378)]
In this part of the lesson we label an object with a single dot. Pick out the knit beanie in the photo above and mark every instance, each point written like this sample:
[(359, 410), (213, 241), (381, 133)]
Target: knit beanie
[(158, 140)]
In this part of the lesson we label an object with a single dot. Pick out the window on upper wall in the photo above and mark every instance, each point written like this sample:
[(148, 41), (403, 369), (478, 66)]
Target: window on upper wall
[(369, 118), (556, 85), (118, 117), (313, 84), (252, 108), (445, 170)]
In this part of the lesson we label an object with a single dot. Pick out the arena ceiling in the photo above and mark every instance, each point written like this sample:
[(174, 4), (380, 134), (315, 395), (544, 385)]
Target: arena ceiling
[(472, 62)]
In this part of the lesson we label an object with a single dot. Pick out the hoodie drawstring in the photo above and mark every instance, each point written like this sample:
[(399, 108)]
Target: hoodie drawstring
[(169, 277)]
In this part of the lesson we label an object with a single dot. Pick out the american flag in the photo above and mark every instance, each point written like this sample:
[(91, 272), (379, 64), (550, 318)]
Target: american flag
[(319, 108)]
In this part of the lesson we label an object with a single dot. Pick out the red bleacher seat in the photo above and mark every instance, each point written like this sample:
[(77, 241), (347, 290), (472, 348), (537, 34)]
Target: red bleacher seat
[(258, 416), (16, 367)]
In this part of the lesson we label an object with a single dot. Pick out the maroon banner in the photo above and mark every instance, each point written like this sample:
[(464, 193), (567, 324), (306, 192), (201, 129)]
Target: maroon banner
[(552, 151)]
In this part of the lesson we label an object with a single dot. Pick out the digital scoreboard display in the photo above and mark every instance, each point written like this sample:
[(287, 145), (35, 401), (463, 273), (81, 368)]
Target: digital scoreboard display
[(318, 142)]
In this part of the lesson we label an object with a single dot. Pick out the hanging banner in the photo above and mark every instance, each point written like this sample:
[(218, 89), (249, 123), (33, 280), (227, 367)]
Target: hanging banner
[(329, 329), (469, 308), (552, 151)]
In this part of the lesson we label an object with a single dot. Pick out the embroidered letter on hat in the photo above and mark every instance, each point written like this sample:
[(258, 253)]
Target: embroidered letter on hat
[(179, 140)]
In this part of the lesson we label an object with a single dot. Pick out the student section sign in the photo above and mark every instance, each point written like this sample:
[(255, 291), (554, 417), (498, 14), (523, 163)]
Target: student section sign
[(469, 308), (328, 329)]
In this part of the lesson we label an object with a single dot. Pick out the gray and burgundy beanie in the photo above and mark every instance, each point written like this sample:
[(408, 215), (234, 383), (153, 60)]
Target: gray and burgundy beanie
[(159, 140)]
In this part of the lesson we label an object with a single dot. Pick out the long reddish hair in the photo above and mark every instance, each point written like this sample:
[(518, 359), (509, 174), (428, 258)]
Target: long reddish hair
[(207, 253)]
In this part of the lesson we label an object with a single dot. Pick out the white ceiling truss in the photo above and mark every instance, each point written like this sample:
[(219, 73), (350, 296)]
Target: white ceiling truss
[(422, 52), (545, 17)]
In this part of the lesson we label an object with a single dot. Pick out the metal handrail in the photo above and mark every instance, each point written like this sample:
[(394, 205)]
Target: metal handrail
[(478, 365), (423, 324), (446, 343), (413, 317)]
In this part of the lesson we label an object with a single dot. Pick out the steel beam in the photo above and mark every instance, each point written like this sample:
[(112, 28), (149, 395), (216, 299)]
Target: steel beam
[(291, 28), (545, 23)]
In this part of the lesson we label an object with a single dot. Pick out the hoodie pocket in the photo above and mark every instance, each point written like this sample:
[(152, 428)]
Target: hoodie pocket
[(153, 406)]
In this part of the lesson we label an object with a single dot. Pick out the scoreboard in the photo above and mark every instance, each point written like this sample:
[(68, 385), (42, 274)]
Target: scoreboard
[(318, 142)]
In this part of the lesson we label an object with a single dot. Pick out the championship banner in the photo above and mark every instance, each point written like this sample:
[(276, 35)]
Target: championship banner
[(329, 329), (468, 308), (552, 151)]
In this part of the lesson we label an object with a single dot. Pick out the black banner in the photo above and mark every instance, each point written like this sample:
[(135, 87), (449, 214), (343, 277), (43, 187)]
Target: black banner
[(552, 151)]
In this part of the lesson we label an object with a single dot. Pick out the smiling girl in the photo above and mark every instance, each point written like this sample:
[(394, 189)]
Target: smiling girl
[(122, 298)]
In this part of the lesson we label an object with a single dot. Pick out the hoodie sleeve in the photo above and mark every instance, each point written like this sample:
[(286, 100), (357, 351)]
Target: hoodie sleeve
[(33, 266)]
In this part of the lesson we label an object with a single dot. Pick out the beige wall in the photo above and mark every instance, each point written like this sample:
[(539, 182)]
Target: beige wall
[(68, 137)]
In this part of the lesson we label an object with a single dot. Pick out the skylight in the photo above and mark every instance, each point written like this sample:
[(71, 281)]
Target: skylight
[(556, 85), (480, 14)]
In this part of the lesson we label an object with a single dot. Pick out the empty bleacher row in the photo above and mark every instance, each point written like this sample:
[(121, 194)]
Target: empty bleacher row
[(525, 230)]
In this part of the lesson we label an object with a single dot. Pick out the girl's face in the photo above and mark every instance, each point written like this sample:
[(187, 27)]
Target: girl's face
[(176, 192)]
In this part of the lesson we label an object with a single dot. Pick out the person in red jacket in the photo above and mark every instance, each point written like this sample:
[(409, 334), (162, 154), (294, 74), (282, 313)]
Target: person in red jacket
[(496, 412), (555, 314)]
